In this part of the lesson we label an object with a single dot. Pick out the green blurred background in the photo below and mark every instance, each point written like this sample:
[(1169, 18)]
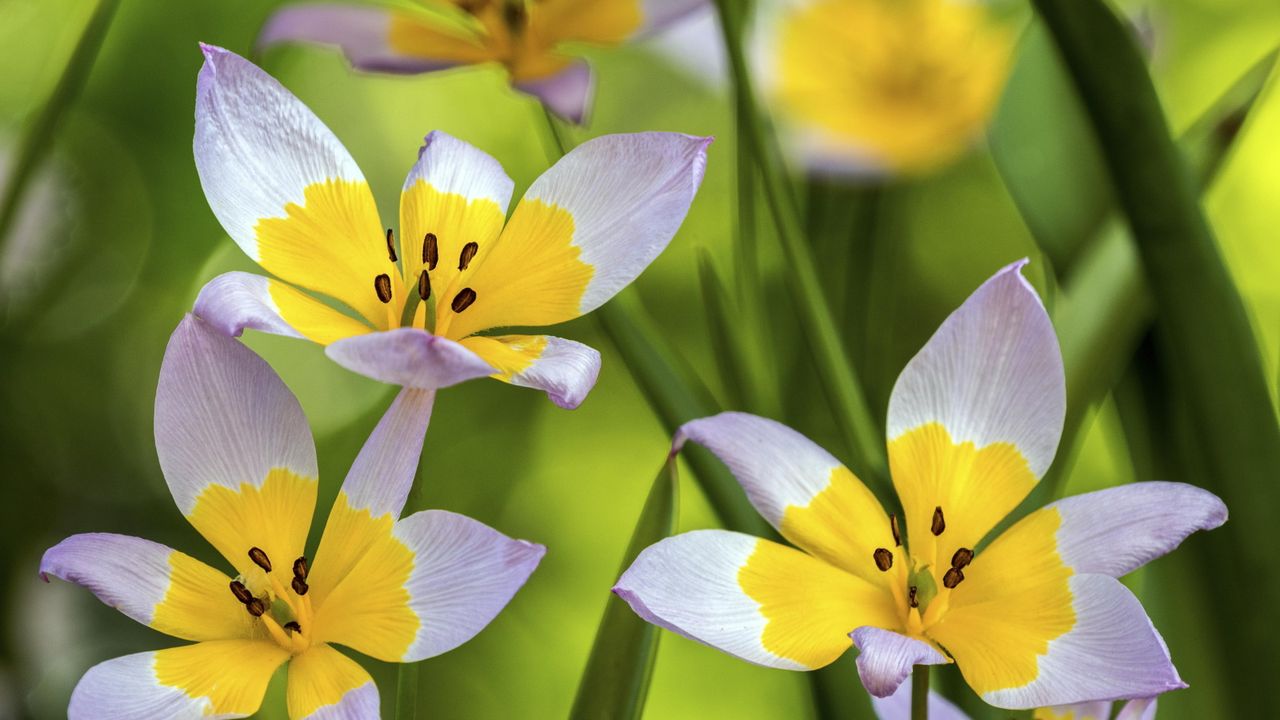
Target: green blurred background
[(115, 238)]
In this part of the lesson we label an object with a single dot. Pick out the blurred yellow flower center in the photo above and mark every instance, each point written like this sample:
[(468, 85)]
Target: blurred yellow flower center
[(903, 84)]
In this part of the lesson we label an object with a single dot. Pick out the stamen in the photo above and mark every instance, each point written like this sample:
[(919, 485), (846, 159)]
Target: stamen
[(430, 251), (514, 14), (939, 522), (382, 286), (255, 607), (300, 586), (912, 600), (953, 578), (241, 592), (883, 558), (463, 300), (424, 285), (468, 252), (893, 525), (300, 568), (391, 244), (962, 558), (293, 626), (260, 558)]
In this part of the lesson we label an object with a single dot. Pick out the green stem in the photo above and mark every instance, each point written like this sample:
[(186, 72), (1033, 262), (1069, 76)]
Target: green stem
[(920, 692), (37, 140), (852, 414), (407, 692), (671, 387)]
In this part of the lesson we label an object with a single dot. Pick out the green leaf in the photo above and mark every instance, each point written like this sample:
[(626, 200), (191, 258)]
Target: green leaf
[(1041, 142), (1202, 330), (1105, 306), (616, 680), (677, 396), (37, 138)]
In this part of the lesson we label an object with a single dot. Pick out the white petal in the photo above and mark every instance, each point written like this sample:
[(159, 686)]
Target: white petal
[(991, 373), (628, 194), (1120, 529), (885, 658), (1112, 652), (223, 417), (409, 357)]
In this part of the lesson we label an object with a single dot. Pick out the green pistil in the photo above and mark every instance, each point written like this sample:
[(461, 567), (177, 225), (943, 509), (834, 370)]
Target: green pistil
[(926, 587)]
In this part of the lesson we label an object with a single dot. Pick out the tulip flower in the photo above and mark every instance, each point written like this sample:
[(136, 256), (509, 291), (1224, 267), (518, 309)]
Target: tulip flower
[(880, 87), (526, 38), (1034, 617), (413, 310), (239, 459)]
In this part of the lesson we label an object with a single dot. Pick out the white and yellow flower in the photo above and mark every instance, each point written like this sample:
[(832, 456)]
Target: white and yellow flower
[(240, 461), (881, 86), (1034, 617), (533, 40), (413, 310)]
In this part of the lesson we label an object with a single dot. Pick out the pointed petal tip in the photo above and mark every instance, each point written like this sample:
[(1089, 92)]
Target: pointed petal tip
[(213, 54)]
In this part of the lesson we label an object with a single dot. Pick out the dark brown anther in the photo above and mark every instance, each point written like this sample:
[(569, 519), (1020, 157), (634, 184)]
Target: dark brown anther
[(260, 558), (468, 253), (255, 607), (300, 586), (912, 600), (953, 578), (897, 536), (382, 286), (300, 568), (430, 251), (939, 522), (241, 592), (962, 558), (514, 14), (463, 300), (293, 626), (883, 558), (391, 245), (424, 285)]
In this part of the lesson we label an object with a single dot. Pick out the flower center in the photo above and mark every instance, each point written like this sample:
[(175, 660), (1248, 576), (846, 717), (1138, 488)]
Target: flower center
[(462, 299), (285, 614), (921, 586)]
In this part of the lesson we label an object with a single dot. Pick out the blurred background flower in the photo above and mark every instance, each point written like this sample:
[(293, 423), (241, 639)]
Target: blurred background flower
[(881, 87), (533, 41)]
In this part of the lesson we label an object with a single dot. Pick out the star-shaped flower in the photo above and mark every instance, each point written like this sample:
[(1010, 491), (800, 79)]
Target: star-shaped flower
[(1033, 617), (412, 310), (239, 459)]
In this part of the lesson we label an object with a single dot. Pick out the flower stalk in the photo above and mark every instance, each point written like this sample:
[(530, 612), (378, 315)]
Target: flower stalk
[(920, 692), (407, 692)]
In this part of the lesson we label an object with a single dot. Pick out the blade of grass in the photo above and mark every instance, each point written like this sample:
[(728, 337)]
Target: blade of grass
[(730, 348), (615, 682), (668, 382), (1213, 350), (677, 396), (37, 138), (864, 446)]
